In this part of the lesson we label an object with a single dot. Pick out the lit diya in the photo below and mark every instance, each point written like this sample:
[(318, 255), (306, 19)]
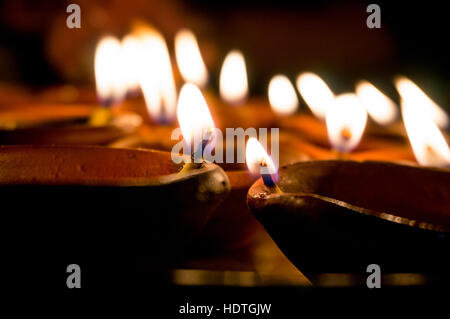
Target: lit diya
[(344, 116), (78, 124), (378, 141), (109, 207), (231, 226), (341, 216)]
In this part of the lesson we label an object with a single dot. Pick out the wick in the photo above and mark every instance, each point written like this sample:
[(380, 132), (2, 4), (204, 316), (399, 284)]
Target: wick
[(267, 178), (195, 163), (346, 134)]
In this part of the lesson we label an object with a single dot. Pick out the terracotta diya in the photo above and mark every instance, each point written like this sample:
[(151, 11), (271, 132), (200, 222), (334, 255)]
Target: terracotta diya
[(70, 128), (103, 206), (341, 216)]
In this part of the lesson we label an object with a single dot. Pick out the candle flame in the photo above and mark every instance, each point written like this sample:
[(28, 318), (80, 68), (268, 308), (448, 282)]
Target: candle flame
[(411, 94), (155, 74), (258, 161), (109, 73), (282, 96), (130, 49), (233, 78), (193, 115), (380, 107), (315, 92), (429, 145), (346, 119), (189, 58)]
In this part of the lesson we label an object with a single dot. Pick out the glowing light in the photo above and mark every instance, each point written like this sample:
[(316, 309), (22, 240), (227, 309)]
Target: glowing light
[(155, 74), (346, 119), (109, 73), (282, 96), (189, 58), (429, 145), (412, 94), (233, 78), (380, 108), (315, 92), (130, 49), (257, 159), (193, 115)]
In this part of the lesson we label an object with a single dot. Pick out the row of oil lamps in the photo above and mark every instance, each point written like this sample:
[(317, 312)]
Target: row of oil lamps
[(334, 215)]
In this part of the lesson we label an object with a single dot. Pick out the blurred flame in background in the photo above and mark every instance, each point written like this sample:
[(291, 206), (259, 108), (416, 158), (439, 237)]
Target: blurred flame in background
[(282, 96), (233, 78), (316, 93), (189, 58), (429, 145), (410, 93), (380, 108), (109, 68), (346, 120), (155, 74)]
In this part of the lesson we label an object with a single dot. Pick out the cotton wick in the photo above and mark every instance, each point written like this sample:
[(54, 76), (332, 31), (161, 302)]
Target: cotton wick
[(267, 178), (346, 134)]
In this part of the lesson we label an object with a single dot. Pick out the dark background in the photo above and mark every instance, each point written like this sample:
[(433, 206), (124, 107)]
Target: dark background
[(327, 37)]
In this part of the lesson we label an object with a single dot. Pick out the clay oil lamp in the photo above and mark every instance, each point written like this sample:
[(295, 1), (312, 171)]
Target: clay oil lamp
[(231, 226), (112, 207), (339, 216)]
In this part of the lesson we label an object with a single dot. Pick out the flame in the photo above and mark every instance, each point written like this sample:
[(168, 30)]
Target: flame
[(109, 71), (282, 96), (411, 94), (315, 92), (346, 119), (189, 59), (233, 78), (257, 159), (381, 108), (193, 116), (155, 74), (429, 145), (130, 49)]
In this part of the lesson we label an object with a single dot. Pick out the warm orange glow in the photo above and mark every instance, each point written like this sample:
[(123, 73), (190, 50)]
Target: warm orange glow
[(233, 78), (189, 58), (412, 94), (130, 49), (109, 72), (282, 96), (429, 145), (315, 92), (380, 108), (346, 119), (193, 115), (155, 74), (257, 159)]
